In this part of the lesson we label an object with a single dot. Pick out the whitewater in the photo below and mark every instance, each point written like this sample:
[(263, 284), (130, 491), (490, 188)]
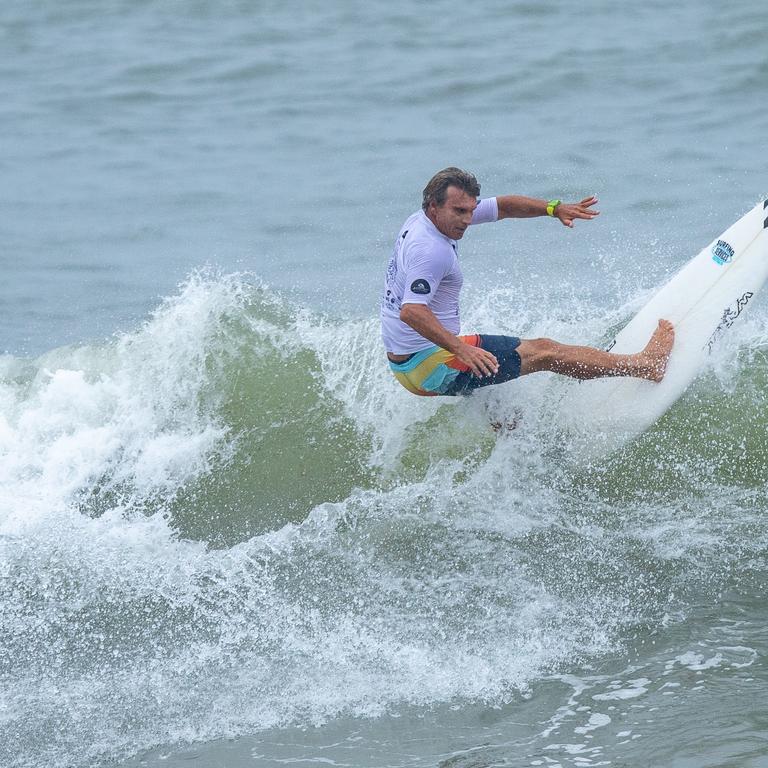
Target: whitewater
[(231, 520)]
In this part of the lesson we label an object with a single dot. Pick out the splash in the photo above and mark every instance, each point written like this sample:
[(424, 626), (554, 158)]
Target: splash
[(199, 517)]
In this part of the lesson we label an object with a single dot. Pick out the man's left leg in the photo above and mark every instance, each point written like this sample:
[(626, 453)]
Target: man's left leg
[(590, 363), (518, 357)]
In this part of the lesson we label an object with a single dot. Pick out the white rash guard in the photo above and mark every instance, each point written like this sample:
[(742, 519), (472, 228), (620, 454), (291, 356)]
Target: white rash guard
[(424, 269)]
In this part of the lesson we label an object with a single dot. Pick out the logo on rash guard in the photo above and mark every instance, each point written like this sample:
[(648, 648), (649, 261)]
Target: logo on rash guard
[(420, 286)]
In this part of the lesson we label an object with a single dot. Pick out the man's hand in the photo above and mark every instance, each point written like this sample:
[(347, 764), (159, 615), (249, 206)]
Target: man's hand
[(480, 361), (567, 212), (422, 320)]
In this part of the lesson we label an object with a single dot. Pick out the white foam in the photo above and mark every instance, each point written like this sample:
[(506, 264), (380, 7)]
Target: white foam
[(635, 689), (444, 587), (696, 662), (131, 411), (597, 720)]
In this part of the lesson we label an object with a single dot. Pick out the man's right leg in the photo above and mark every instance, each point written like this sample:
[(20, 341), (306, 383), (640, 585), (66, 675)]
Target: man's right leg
[(590, 363)]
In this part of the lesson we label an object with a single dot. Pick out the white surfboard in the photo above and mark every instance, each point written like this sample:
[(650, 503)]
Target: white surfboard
[(703, 301)]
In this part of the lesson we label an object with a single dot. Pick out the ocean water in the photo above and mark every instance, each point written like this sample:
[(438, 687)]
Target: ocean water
[(227, 538)]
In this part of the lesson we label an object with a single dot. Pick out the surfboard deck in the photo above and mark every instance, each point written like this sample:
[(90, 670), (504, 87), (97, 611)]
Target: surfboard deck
[(703, 300)]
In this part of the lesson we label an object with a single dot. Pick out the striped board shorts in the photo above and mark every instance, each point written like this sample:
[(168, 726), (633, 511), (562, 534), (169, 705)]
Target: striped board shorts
[(435, 371)]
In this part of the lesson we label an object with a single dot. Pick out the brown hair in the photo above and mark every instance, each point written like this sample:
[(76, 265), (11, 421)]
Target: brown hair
[(438, 185)]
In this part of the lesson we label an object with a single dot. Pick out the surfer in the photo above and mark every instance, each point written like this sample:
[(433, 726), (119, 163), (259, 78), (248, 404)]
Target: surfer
[(420, 305)]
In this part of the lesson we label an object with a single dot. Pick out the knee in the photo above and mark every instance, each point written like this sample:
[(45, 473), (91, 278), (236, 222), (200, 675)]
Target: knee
[(544, 350), (538, 354)]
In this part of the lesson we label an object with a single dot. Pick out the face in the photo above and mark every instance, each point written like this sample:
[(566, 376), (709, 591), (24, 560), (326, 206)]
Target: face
[(454, 215)]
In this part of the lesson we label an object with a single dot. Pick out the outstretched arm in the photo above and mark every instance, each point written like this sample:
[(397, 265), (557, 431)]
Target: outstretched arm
[(521, 207), (421, 318)]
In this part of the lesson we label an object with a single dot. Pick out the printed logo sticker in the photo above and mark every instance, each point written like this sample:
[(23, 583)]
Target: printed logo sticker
[(722, 252), (730, 315), (420, 286)]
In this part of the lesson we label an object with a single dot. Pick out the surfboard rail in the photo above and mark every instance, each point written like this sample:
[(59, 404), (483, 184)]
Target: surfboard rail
[(704, 299)]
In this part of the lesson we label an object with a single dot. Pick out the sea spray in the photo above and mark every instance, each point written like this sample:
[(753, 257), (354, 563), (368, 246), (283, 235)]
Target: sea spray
[(232, 519)]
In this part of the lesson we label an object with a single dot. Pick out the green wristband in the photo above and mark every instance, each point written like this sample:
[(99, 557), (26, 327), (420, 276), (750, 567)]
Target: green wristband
[(551, 205)]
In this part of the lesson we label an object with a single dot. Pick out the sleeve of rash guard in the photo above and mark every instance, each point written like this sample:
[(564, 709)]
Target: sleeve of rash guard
[(487, 210), (425, 268)]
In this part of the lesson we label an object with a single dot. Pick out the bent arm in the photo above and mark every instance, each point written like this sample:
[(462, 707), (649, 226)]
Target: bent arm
[(421, 318)]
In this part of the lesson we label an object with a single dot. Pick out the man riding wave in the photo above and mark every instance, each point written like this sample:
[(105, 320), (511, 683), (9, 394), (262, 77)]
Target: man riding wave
[(420, 306)]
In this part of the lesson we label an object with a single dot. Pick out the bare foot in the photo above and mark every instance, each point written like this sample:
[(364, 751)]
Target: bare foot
[(654, 358)]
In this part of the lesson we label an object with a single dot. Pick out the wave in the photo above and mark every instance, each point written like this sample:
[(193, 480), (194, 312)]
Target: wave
[(232, 518)]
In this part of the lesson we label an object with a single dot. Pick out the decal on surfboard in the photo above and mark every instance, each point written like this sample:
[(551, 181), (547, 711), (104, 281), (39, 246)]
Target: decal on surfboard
[(729, 318), (722, 252)]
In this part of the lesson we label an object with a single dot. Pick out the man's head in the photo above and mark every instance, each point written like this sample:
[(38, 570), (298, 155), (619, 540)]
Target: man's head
[(450, 198)]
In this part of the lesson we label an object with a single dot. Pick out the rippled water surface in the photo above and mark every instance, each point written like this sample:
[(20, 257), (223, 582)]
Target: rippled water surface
[(226, 536)]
